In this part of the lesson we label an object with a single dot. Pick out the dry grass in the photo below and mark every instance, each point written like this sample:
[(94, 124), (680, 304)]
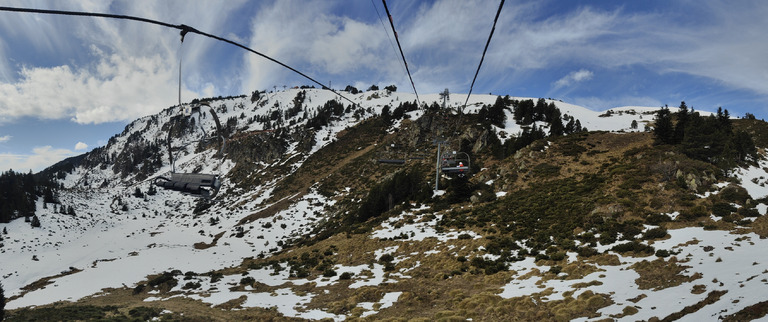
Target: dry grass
[(660, 274), (202, 245), (42, 283)]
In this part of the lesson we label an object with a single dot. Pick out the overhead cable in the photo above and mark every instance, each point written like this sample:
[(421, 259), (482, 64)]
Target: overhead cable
[(184, 29), (392, 24), (484, 51)]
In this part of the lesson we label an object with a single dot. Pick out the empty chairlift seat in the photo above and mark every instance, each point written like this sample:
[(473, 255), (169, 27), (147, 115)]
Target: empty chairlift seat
[(196, 184)]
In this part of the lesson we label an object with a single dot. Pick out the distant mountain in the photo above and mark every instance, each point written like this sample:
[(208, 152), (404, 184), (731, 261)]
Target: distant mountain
[(328, 210)]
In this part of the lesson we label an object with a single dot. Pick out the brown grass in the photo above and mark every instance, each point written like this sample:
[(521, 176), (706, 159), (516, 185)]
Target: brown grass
[(202, 245), (660, 274), (42, 283)]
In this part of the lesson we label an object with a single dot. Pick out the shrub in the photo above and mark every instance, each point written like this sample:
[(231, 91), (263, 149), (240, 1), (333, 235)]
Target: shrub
[(386, 258), (722, 209), (656, 218), (138, 289), (215, 277), (735, 194), (144, 313), (329, 272), (346, 275), (164, 278), (248, 280), (191, 285), (635, 247), (748, 212), (586, 251), (654, 233)]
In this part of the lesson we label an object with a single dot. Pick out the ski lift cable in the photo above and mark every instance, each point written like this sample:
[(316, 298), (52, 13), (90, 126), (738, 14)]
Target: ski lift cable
[(484, 51), (482, 58), (397, 39), (387, 33), (184, 29)]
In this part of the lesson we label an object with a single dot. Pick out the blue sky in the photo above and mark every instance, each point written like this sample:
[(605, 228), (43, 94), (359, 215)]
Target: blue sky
[(67, 84)]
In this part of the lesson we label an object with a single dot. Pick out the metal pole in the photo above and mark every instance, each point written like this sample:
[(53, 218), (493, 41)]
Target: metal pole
[(437, 169)]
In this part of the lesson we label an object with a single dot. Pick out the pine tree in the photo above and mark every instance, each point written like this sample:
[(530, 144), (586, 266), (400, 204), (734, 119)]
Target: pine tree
[(556, 127), (682, 121), (2, 302), (663, 130), (35, 221)]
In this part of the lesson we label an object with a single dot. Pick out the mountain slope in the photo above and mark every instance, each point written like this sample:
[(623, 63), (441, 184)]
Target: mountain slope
[(589, 226)]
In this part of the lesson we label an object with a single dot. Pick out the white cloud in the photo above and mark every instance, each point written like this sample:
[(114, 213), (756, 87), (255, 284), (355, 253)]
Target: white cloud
[(40, 158), (5, 138), (573, 77), (108, 70), (117, 89), (80, 146)]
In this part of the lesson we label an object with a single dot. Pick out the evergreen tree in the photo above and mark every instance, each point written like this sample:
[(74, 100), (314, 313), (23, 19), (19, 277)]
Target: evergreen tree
[(663, 130), (458, 190), (556, 127), (2, 302), (682, 121), (35, 221)]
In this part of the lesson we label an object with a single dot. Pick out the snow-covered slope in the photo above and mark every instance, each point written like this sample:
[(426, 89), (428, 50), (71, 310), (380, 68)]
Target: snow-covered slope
[(106, 246)]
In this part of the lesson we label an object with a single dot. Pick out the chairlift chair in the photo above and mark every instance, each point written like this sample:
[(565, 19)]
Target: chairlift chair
[(456, 163), (391, 157), (194, 184)]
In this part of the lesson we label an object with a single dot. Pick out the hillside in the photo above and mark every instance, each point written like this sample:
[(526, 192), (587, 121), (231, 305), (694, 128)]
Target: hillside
[(593, 222)]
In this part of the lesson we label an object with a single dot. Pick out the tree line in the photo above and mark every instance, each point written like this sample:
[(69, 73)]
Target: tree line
[(707, 138)]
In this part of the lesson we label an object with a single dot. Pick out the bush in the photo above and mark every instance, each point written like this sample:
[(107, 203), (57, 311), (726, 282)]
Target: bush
[(346, 275), (655, 233), (215, 277), (748, 212), (164, 278), (248, 280), (735, 194), (144, 313), (722, 209), (136, 290), (634, 246), (586, 251), (386, 258), (656, 218), (191, 285), (329, 272)]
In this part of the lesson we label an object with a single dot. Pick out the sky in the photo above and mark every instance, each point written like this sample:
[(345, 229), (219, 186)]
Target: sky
[(67, 84)]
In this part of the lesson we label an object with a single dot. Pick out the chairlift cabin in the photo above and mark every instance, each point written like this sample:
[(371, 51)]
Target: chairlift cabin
[(195, 184), (456, 163)]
